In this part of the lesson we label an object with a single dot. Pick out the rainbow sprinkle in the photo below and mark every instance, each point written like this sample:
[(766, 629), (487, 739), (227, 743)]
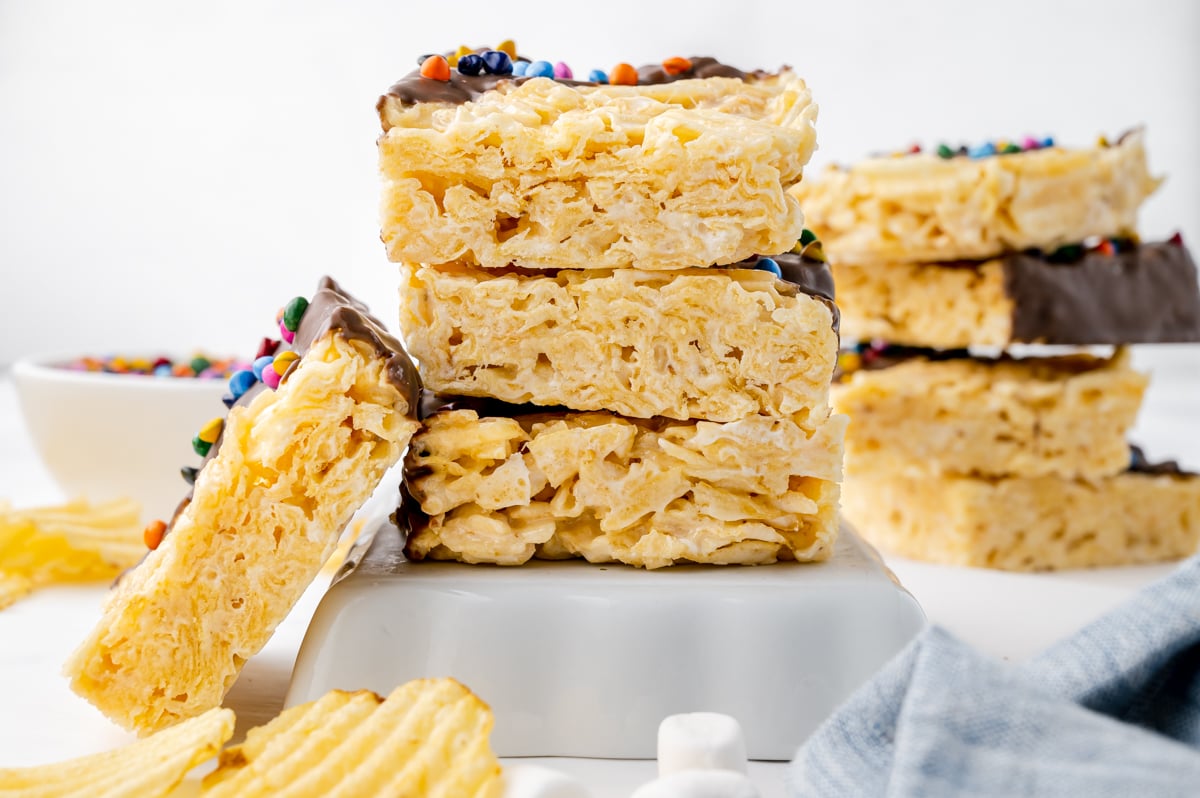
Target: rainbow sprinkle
[(199, 366), (503, 60)]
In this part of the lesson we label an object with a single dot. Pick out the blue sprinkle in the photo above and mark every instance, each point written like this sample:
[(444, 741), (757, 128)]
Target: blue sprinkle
[(540, 69), (769, 265), (240, 382), (470, 64), (497, 62), (228, 399), (163, 371), (597, 76), (260, 364), (1048, 141), (982, 151), (520, 68)]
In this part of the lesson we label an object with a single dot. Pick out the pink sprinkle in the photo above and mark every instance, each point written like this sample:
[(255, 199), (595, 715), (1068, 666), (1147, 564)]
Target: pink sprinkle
[(562, 71), (271, 378), (1030, 143), (287, 334)]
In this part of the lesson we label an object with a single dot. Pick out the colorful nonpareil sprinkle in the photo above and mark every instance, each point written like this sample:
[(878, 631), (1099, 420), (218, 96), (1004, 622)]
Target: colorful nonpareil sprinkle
[(153, 534), (293, 311), (283, 361), (809, 246), (207, 436), (623, 75), (472, 64), (1068, 253), (769, 265), (435, 67), (271, 378), (268, 367), (462, 50), (504, 60), (990, 148), (240, 382), (496, 62), (676, 65), (261, 363)]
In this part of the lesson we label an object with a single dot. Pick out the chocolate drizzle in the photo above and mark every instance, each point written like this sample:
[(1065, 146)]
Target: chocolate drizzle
[(1141, 295), (413, 88)]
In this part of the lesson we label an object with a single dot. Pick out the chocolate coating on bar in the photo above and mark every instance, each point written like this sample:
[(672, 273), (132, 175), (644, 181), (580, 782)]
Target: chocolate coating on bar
[(1138, 464), (413, 88), (1145, 295), (809, 276), (332, 309)]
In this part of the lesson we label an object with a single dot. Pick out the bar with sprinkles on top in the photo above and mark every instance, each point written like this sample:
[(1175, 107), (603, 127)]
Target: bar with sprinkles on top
[(958, 455), (313, 425), (609, 288)]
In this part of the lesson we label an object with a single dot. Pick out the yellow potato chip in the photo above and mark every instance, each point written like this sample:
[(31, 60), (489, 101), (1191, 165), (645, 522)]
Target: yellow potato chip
[(428, 738), (13, 587), (70, 543), (146, 769)]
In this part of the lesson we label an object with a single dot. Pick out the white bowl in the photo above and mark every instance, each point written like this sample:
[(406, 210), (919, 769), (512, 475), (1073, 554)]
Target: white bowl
[(104, 436)]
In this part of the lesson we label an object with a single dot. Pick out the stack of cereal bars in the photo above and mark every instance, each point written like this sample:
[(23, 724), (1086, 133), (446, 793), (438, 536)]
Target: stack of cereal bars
[(626, 349), (958, 451)]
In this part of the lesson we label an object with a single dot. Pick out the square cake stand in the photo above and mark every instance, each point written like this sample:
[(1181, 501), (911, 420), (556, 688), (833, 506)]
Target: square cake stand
[(585, 660)]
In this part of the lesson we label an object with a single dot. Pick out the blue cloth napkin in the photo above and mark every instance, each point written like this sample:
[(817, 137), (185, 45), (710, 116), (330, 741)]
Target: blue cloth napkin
[(1113, 710)]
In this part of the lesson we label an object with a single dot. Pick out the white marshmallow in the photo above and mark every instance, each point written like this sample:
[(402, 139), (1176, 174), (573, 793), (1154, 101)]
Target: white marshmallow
[(699, 784), (700, 741), (534, 781)]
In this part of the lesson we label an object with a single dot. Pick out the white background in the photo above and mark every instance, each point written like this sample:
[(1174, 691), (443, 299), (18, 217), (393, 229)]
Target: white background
[(171, 173)]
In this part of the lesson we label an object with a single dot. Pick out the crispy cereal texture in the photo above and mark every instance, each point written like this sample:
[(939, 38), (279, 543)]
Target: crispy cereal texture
[(547, 176), (1065, 416), (428, 739), (148, 768), (646, 493), (709, 344), (923, 304), (1028, 523), (292, 467), (925, 208)]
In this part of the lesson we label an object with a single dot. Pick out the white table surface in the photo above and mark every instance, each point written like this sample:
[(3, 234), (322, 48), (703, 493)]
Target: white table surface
[(1009, 615)]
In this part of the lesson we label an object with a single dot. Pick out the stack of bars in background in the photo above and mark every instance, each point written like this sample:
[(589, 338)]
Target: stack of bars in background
[(959, 451), (613, 369)]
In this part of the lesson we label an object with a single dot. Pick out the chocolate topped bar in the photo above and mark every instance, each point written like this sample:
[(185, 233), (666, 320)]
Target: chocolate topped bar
[(1145, 294), (1116, 292)]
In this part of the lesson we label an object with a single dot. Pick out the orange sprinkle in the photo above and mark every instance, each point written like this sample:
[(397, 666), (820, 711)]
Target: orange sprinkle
[(676, 65), (435, 67), (153, 534), (623, 75)]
